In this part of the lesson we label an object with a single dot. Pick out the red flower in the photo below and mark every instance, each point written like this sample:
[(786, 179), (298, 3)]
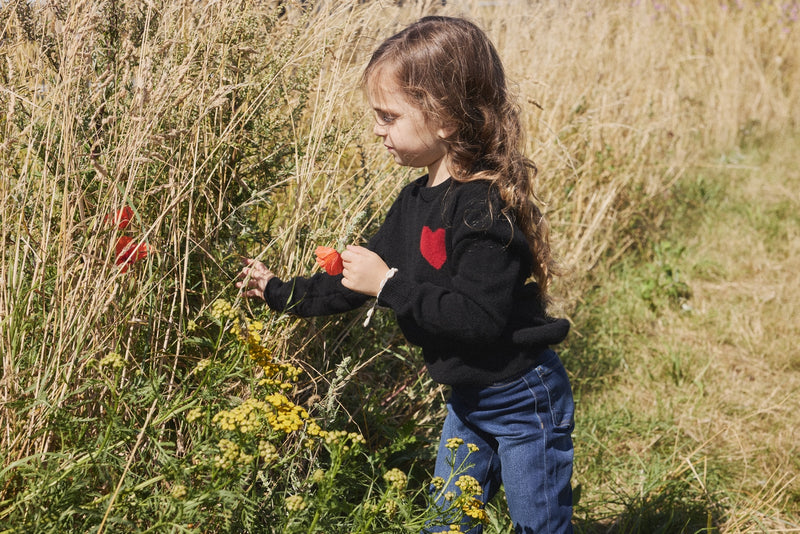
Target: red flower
[(121, 218), (330, 260), (129, 252)]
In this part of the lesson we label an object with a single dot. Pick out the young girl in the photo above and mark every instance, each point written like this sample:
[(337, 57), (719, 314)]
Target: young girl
[(453, 259)]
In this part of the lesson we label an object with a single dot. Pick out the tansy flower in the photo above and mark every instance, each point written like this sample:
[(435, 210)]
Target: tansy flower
[(295, 503), (178, 491), (474, 509), (129, 252), (121, 218), (318, 476), (396, 479), (454, 443), (469, 485), (330, 260)]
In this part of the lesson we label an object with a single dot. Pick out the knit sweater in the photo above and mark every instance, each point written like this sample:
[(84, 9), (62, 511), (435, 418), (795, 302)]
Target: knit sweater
[(460, 290)]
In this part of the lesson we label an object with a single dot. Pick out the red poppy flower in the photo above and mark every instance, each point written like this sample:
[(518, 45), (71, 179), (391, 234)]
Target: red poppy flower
[(129, 252), (330, 260), (121, 218)]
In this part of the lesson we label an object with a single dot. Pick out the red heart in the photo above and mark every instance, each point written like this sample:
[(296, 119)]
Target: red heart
[(431, 244)]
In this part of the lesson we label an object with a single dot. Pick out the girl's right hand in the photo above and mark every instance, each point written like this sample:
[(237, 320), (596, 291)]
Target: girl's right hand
[(253, 278)]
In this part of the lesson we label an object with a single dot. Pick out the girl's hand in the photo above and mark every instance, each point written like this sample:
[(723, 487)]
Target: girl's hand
[(363, 270), (253, 278)]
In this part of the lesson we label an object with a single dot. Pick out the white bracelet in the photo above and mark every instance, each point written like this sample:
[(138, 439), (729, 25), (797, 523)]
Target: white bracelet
[(389, 274)]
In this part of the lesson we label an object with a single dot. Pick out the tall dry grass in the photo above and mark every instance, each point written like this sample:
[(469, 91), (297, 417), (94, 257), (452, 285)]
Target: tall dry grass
[(235, 127)]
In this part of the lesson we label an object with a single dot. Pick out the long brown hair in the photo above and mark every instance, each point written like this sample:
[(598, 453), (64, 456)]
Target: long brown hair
[(451, 70)]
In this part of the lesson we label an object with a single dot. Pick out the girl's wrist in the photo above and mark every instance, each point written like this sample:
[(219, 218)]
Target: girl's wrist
[(389, 274)]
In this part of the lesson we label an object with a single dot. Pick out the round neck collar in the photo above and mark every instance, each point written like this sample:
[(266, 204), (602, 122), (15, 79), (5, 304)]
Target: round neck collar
[(429, 193)]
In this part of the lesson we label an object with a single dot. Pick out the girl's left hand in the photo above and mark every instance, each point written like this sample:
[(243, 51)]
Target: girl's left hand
[(363, 270)]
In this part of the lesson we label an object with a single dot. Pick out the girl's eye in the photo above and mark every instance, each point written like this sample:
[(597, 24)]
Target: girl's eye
[(385, 119)]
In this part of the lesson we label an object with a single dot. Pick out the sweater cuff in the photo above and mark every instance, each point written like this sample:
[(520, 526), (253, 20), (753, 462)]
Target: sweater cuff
[(395, 291), (271, 294)]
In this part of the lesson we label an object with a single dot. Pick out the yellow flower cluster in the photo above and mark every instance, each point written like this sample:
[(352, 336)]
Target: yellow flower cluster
[(275, 383), (267, 451), (336, 437), (318, 476), (474, 509), (113, 360), (202, 365), (230, 454), (437, 483), (178, 491), (472, 447), (249, 332), (252, 333), (390, 507), (194, 414), (289, 372), (222, 311), (454, 443), (396, 479), (295, 503), (454, 529), (468, 485), (259, 354), (245, 418), (285, 416)]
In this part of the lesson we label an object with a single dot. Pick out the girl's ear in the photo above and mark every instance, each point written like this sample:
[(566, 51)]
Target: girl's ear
[(446, 130)]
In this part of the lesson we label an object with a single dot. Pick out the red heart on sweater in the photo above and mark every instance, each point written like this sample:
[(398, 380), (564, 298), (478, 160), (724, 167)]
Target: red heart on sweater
[(431, 244)]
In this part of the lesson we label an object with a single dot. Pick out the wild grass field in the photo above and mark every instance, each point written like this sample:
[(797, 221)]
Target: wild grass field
[(145, 147)]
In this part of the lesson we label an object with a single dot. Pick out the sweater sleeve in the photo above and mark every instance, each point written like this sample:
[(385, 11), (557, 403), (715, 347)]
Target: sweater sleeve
[(320, 294), (488, 265)]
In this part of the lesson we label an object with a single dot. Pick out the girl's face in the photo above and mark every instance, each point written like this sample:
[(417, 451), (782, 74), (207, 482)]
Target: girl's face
[(409, 137)]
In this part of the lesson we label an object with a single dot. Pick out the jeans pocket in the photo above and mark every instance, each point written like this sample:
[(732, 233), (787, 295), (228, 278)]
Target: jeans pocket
[(555, 381)]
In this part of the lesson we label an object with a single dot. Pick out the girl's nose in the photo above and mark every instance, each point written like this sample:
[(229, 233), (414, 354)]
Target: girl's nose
[(379, 130)]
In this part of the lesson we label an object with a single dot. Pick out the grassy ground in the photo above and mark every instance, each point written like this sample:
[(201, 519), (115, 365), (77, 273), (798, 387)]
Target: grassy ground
[(689, 373)]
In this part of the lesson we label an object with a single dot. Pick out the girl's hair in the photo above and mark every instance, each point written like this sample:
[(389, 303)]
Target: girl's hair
[(450, 69)]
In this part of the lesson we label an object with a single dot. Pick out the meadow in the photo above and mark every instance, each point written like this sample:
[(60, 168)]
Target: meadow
[(146, 147)]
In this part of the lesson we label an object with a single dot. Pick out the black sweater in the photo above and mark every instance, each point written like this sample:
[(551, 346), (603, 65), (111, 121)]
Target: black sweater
[(459, 291)]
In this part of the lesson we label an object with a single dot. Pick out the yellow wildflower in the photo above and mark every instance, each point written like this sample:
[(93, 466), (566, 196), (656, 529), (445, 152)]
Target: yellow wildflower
[(391, 508), (468, 485), (222, 311), (318, 476), (113, 360), (228, 454), (396, 479), (194, 414), (474, 509), (178, 491), (267, 451), (295, 503), (454, 443)]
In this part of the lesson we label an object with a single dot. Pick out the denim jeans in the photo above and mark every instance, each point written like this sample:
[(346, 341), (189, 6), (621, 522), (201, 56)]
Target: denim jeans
[(523, 429)]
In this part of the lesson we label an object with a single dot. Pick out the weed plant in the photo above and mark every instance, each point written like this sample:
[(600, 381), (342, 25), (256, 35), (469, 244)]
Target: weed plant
[(146, 147)]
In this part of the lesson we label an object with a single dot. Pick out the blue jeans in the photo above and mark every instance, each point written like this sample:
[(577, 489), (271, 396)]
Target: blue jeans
[(522, 428)]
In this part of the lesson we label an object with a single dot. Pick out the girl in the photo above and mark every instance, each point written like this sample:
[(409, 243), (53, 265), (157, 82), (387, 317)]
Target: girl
[(452, 259)]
